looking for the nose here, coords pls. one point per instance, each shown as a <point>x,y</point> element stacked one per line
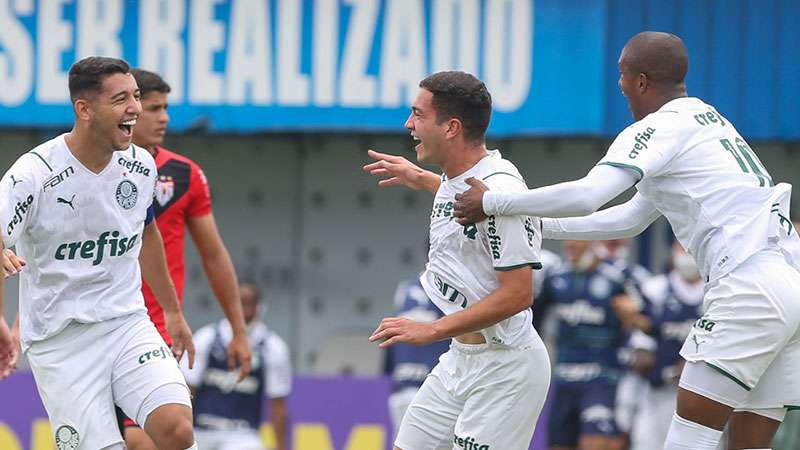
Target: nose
<point>165,117</point>
<point>410,122</point>
<point>134,106</point>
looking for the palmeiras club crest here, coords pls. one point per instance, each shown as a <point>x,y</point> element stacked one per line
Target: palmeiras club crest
<point>165,189</point>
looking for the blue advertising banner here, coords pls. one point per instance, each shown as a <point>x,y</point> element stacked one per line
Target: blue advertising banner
<point>281,65</point>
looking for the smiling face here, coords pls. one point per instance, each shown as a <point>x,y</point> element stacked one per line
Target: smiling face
<point>422,124</point>
<point>112,112</point>
<point>151,127</point>
<point>629,84</point>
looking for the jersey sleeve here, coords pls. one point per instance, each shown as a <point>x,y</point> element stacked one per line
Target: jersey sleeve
<point>645,148</point>
<point>278,367</point>
<point>199,193</point>
<point>203,340</point>
<point>514,241</point>
<point>19,192</point>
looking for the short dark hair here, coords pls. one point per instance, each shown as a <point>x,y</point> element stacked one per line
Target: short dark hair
<point>87,75</point>
<point>461,96</point>
<point>150,82</point>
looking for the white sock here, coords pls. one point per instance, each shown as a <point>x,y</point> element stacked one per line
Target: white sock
<point>687,435</point>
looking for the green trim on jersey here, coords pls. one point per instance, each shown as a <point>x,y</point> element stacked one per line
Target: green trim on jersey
<point>43,160</point>
<point>502,173</point>
<point>533,265</point>
<point>623,166</point>
<point>723,372</point>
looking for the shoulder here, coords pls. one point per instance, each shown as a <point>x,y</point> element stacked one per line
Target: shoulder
<point>173,156</point>
<point>42,159</point>
<point>501,174</point>
<point>276,347</point>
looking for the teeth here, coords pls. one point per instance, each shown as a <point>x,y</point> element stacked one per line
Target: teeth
<point>131,122</point>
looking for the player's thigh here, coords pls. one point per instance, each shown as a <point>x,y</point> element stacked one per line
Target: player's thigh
<point>146,375</point>
<point>754,429</point>
<point>564,418</point>
<point>597,416</point>
<point>752,314</point>
<point>72,372</point>
<point>429,421</point>
<point>503,407</point>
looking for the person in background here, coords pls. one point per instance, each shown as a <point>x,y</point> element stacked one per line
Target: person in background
<point>228,413</point>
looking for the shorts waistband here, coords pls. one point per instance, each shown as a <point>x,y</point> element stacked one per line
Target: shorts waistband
<point>469,349</point>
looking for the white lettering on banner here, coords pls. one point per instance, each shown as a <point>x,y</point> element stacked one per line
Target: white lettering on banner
<point>356,87</point>
<point>292,84</point>
<point>403,52</point>
<point>455,46</point>
<point>161,48</point>
<point>16,59</point>
<point>54,37</point>
<point>362,53</point>
<point>508,41</point>
<point>206,37</point>
<point>100,22</point>
<point>248,58</point>
<point>326,39</point>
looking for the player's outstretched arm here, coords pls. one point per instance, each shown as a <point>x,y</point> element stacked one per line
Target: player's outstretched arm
<point>222,278</point>
<point>514,294</point>
<point>401,172</point>
<point>618,222</point>
<point>572,198</point>
<point>153,263</point>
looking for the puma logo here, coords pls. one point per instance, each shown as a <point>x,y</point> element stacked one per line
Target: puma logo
<point>696,343</point>
<point>15,181</point>
<point>67,202</point>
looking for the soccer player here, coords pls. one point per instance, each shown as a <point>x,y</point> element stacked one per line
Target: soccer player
<point>489,388</point>
<point>228,413</point>
<point>690,164</point>
<point>82,219</point>
<point>585,295</point>
<point>676,300</point>
<point>408,365</point>
<point>182,200</point>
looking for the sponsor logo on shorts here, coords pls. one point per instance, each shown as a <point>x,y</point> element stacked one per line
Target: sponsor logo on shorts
<point>641,140</point>
<point>96,250</point>
<point>159,353</point>
<point>67,438</point>
<point>469,443</point>
<point>705,324</point>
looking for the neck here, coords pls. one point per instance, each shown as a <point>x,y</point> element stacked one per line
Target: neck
<point>152,149</point>
<point>83,145</point>
<point>662,98</point>
<point>463,158</point>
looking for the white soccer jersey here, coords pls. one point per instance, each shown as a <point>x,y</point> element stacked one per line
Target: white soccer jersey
<point>463,260</point>
<point>80,233</point>
<point>704,178</point>
<point>273,359</point>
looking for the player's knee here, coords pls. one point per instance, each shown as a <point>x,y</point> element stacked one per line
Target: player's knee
<point>178,435</point>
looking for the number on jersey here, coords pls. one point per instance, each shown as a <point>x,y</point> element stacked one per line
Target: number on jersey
<point>747,159</point>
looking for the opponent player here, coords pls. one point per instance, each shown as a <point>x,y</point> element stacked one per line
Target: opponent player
<point>690,164</point>
<point>676,300</point>
<point>182,200</point>
<point>489,388</point>
<point>408,365</point>
<point>228,414</point>
<point>585,296</point>
<point>83,221</point>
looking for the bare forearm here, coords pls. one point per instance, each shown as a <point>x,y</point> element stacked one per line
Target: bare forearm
<point>497,306</point>
<point>430,181</point>
<point>153,263</point>
<point>280,424</point>
<point>222,278</point>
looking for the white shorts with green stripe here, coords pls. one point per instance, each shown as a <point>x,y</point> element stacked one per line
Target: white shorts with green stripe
<point>750,331</point>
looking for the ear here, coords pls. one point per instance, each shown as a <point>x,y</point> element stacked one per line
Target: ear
<point>642,82</point>
<point>454,128</point>
<point>82,109</point>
